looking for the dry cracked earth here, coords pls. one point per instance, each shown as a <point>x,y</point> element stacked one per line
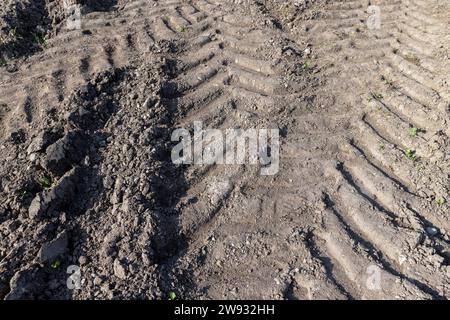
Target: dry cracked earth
<point>358,210</point>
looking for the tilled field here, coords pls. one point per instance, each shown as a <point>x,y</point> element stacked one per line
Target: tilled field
<point>359,208</point>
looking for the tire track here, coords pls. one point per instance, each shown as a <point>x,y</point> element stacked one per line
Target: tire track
<point>402,96</point>
<point>229,76</point>
<point>381,114</point>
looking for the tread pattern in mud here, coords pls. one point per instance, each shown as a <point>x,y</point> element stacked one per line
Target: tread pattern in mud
<point>376,132</point>
<point>391,172</point>
<point>363,187</point>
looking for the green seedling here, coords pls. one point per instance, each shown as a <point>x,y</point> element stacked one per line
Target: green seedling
<point>381,147</point>
<point>23,194</point>
<point>441,201</point>
<point>387,82</point>
<point>413,132</point>
<point>56,264</point>
<point>46,182</point>
<point>375,96</point>
<point>307,65</point>
<point>40,39</point>
<point>411,155</point>
<point>13,32</point>
<point>181,29</point>
<point>172,295</point>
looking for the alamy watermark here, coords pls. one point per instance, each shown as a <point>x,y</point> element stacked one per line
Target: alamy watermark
<point>74,280</point>
<point>374,20</point>
<point>373,281</point>
<point>230,147</point>
<point>73,15</point>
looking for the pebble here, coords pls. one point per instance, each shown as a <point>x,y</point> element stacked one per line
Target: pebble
<point>98,281</point>
<point>82,260</point>
<point>119,270</point>
<point>432,231</point>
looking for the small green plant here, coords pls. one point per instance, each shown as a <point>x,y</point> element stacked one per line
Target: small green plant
<point>3,62</point>
<point>387,82</point>
<point>182,28</point>
<point>413,132</point>
<point>381,147</point>
<point>441,201</point>
<point>307,65</point>
<point>411,155</point>
<point>375,96</point>
<point>13,32</point>
<point>40,39</point>
<point>46,182</point>
<point>23,194</point>
<point>56,264</point>
<point>172,295</point>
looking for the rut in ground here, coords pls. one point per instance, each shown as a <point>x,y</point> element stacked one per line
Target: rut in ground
<point>364,164</point>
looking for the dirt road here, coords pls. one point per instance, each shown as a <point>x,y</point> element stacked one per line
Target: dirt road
<point>93,206</point>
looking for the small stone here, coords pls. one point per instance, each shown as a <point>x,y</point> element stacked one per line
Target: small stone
<point>36,206</point>
<point>119,270</point>
<point>108,182</point>
<point>32,157</point>
<point>82,260</point>
<point>98,281</point>
<point>115,197</point>
<point>432,231</point>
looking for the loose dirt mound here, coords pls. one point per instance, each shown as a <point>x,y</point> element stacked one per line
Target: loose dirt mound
<point>359,208</point>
